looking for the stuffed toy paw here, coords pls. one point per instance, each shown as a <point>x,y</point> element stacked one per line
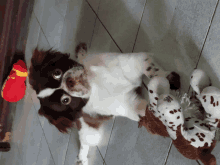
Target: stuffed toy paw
<point>14,86</point>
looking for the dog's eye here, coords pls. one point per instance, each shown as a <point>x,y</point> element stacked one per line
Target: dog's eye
<point>57,74</point>
<point>65,99</point>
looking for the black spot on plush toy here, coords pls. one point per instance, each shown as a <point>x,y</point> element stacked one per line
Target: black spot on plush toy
<point>153,70</point>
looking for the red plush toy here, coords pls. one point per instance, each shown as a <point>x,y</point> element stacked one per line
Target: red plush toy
<point>14,86</point>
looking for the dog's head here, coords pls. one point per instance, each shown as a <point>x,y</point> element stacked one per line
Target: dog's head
<point>61,85</point>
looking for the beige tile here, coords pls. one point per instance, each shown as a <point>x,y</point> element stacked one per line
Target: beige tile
<point>150,149</point>
<point>176,158</point>
<point>122,19</point>
<point>176,41</point>
<point>78,26</point>
<point>44,157</point>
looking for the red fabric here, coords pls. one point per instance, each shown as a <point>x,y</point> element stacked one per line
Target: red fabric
<point>14,87</point>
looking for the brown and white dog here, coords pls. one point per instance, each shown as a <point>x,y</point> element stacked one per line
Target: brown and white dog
<point>91,91</point>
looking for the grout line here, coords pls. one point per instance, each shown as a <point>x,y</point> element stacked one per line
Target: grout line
<point>44,135</point>
<point>198,162</point>
<point>207,33</point>
<point>42,31</point>
<point>93,33</point>
<point>109,138</point>
<point>101,156</point>
<point>94,26</point>
<point>139,26</point>
<point>171,143</point>
<point>39,148</point>
<point>206,37</point>
<point>104,27</point>
<point>67,147</point>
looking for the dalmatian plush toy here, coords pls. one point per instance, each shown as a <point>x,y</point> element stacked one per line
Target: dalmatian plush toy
<point>192,134</point>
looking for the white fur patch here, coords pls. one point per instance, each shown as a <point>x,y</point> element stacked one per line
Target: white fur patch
<point>88,135</point>
<point>46,92</point>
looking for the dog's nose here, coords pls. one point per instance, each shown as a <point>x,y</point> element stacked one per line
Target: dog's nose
<point>70,82</point>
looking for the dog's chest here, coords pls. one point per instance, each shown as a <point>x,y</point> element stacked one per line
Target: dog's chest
<point>110,93</point>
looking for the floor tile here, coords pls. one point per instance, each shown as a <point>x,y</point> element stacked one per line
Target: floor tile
<point>177,48</point>
<point>32,38</point>
<point>52,24</point>
<point>122,19</point>
<point>31,138</point>
<point>210,59</point>
<point>11,157</point>
<point>57,142</point>
<point>94,156</point>
<point>216,153</point>
<point>43,42</point>
<point>61,6</point>
<point>122,141</point>
<point>39,9</point>
<point>150,149</point>
<point>176,158</point>
<point>44,157</point>
<point>78,26</point>
<point>101,40</point>
<point>73,148</point>
<point>94,4</point>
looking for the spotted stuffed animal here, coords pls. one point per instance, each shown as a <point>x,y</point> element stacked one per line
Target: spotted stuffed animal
<point>193,137</point>
<point>154,70</point>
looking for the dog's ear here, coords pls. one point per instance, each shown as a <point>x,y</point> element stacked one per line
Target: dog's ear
<point>81,49</point>
<point>61,123</point>
<point>38,57</point>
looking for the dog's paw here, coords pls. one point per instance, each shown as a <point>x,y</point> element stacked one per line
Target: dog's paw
<point>81,162</point>
<point>81,50</point>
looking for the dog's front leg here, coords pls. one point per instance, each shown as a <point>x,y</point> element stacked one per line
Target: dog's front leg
<point>88,136</point>
<point>83,153</point>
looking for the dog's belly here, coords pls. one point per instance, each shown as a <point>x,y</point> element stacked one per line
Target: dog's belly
<point>102,102</point>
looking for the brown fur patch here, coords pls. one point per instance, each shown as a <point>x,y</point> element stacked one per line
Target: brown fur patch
<point>62,123</point>
<point>95,121</point>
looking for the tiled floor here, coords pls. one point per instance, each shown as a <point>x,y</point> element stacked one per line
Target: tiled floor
<point>182,34</point>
